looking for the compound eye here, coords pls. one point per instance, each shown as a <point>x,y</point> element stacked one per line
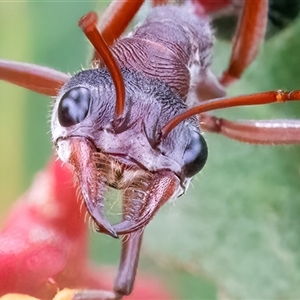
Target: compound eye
<point>195,155</point>
<point>74,106</point>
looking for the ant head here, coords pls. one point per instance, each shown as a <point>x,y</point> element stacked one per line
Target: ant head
<point>85,107</point>
<point>100,148</point>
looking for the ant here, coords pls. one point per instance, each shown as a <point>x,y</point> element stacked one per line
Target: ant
<point>209,123</point>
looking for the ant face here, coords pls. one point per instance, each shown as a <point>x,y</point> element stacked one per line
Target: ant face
<point>244,205</point>
<point>129,149</point>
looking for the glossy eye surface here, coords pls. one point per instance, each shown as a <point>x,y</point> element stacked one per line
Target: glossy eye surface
<point>195,155</point>
<point>74,106</point>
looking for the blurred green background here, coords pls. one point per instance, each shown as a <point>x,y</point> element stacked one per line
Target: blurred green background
<point>236,233</point>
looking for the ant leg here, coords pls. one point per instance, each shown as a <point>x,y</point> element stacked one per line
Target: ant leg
<point>115,19</point>
<point>47,81</point>
<point>269,132</point>
<point>247,40</point>
<point>131,246</point>
<point>38,79</point>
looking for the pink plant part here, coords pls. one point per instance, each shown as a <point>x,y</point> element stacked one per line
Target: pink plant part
<point>44,245</point>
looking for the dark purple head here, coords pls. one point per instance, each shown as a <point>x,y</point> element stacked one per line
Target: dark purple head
<point>127,153</point>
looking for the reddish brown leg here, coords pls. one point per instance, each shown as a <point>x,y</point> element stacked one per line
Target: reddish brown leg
<point>253,99</point>
<point>39,79</point>
<point>270,132</point>
<point>116,18</point>
<point>247,40</point>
